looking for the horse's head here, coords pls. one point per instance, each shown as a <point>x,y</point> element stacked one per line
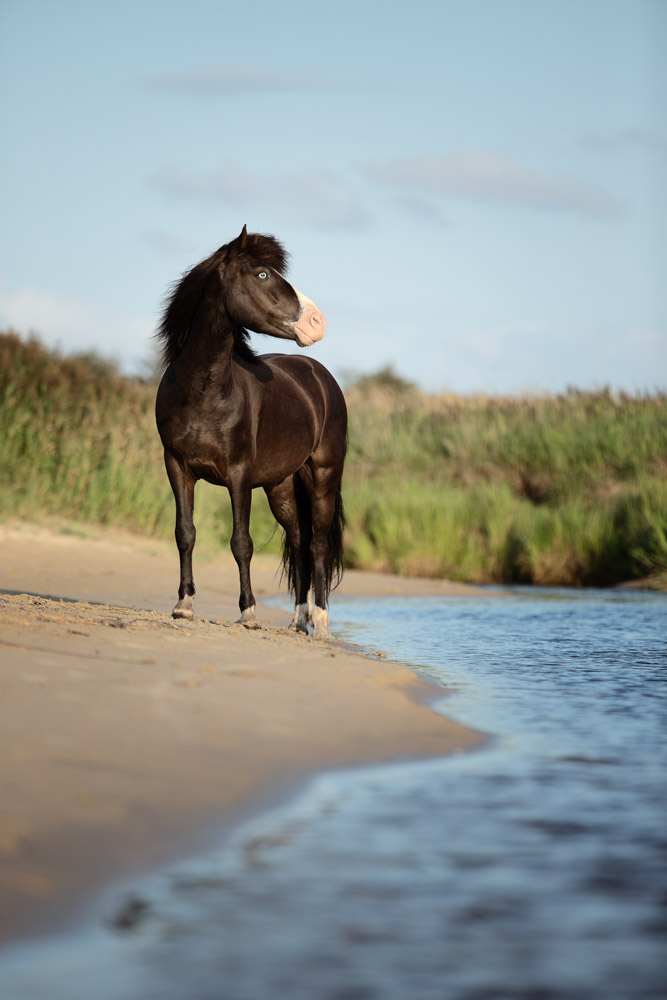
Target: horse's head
<point>257,296</point>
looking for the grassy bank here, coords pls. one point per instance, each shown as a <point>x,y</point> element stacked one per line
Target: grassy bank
<point>554,490</point>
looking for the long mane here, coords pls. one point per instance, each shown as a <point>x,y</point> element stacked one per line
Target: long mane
<point>186,294</point>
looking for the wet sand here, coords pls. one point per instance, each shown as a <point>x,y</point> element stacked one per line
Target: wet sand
<point>129,739</point>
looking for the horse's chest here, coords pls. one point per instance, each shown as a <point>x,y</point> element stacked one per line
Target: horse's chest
<point>208,451</point>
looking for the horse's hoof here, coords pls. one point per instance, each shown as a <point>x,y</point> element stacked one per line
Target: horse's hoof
<point>184,610</point>
<point>321,624</point>
<point>249,619</point>
<point>300,620</point>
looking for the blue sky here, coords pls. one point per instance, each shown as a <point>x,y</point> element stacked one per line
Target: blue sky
<point>473,192</point>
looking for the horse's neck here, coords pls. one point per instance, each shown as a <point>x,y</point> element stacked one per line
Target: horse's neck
<point>210,343</point>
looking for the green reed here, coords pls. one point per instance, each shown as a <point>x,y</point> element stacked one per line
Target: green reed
<point>564,489</point>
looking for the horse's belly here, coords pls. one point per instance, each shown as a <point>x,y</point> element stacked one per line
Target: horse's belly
<point>272,468</point>
<point>263,468</point>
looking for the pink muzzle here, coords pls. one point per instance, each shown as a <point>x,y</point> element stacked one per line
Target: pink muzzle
<point>311,324</point>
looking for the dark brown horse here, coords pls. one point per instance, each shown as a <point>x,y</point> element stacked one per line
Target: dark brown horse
<point>241,420</point>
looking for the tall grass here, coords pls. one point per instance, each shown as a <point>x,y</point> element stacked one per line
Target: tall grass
<point>568,489</point>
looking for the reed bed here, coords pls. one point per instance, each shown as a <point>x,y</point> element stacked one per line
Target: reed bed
<point>557,490</point>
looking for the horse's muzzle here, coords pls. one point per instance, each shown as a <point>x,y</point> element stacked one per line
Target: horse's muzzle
<point>311,324</point>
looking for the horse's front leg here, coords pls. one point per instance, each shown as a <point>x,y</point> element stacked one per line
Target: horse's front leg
<point>242,548</point>
<point>183,486</point>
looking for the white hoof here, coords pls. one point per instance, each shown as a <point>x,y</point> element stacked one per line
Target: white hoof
<point>300,620</point>
<point>321,624</point>
<point>184,609</point>
<point>249,619</point>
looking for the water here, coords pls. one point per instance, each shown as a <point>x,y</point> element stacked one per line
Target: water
<point>535,867</point>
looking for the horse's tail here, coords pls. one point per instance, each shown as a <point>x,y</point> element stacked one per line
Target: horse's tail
<point>334,562</point>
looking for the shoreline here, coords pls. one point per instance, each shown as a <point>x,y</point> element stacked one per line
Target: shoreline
<point>129,737</point>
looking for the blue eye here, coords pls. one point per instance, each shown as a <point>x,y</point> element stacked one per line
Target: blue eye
<point>262,275</point>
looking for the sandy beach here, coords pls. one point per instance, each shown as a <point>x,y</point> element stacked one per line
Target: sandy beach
<point>129,739</point>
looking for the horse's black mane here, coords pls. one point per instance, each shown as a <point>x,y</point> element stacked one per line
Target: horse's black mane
<point>185,296</point>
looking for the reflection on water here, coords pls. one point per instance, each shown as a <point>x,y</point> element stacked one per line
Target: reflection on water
<point>533,868</point>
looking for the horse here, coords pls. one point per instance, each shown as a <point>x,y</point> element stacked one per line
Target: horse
<point>243,421</point>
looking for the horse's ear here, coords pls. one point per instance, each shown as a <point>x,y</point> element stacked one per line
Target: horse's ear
<point>239,244</point>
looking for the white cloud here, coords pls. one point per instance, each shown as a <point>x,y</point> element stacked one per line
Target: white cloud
<point>35,310</point>
<point>74,326</point>
<point>314,197</point>
<point>494,177</point>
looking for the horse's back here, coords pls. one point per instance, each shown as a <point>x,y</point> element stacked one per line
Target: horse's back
<point>298,365</point>
<point>307,374</point>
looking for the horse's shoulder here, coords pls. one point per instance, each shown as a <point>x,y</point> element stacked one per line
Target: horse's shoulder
<point>292,362</point>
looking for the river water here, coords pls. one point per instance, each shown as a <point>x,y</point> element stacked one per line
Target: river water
<point>534,868</point>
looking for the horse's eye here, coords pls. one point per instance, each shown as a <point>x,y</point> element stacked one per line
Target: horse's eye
<point>262,275</point>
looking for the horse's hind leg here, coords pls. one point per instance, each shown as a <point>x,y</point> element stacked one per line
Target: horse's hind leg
<point>322,516</point>
<point>291,516</point>
<point>183,486</point>
<point>325,489</point>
